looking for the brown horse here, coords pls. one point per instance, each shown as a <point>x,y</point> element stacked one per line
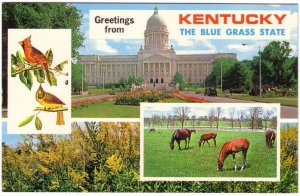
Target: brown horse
<point>232,147</point>
<point>205,137</point>
<point>178,135</point>
<point>270,138</point>
<point>152,130</point>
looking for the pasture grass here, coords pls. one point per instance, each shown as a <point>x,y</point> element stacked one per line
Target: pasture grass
<point>161,161</point>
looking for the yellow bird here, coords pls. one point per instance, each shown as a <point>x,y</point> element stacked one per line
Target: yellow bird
<point>50,101</point>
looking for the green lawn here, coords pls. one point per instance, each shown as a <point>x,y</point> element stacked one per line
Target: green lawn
<point>95,92</point>
<point>288,101</point>
<point>108,109</point>
<point>160,161</point>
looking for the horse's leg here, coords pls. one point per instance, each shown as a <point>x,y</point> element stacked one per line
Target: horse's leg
<point>234,161</point>
<point>215,142</point>
<point>189,138</point>
<point>178,142</point>
<point>267,142</point>
<point>208,143</point>
<point>244,159</point>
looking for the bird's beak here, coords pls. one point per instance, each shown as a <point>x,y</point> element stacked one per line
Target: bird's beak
<point>20,42</point>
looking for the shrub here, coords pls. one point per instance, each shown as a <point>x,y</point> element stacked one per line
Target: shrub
<point>292,93</point>
<point>269,95</point>
<point>134,98</point>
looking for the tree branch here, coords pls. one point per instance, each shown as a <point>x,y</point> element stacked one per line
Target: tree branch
<point>50,109</point>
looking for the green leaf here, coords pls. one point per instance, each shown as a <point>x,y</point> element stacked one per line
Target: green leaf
<point>26,78</point>
<point>38,123</point>
<point>13,60</point>
<point>60,66</point>
<point>19,57</point>
<point>52,78</point>
<point>26,121</point>
<point>40,75</point>
<point>13,71</point>
<point>49,56</point>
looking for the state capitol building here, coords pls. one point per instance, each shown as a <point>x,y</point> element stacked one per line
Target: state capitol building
<point>157,62</point>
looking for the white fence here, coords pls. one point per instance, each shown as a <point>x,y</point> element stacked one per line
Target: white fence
<point>210,129</point>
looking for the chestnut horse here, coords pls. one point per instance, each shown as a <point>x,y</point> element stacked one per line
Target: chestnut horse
<point>232,147</point>
<point>205,137</point>
<point>270,138</point>
<point>181,135</point>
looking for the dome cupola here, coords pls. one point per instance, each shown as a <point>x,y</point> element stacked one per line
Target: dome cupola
<point>156,35</point>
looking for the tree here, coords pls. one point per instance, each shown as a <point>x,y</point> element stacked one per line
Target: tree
<point>218,114</point>
<point>177,78</point>
<point>266,116</point>
<point>214,78</point>
<point>242,77</point>
<point>231,112</point>
<point>211,116</point>
<point>39,16</point>
<point>254,113</point>
<point>240,117</point>
<point>181,114</point>
<point>77,79</point>
<point>277,67</point>
<point>122,82</point>
<point>193,121</point>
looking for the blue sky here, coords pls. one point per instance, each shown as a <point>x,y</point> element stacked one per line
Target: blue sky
<point>131,47</point>
<point>9,139</point>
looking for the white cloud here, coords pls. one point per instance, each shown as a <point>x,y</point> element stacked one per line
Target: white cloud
<point>275,5</point>
<point>208,44</point>
<point>241,48</point>
<point>185,42</point>
<point>102,46</point>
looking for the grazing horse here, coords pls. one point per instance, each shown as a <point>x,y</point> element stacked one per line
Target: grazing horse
<point>180,135</point>
<point>152,130</point>
<point>232,147</point>
<point>270,138</point>
<point>205,137</point>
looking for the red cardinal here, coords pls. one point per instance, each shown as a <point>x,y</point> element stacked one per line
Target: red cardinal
<point>35,56</point>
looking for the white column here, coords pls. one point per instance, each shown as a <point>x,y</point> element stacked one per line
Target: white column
<point>165,73</point>
<point>159,69</point>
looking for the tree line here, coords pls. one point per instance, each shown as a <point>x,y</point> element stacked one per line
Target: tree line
<point>253,117</point>
<point>278,69</point>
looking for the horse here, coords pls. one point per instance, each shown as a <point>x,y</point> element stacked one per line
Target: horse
<point>180,135</point>
<point>205,137</point>
<point>232,147</point>
<point>270,138</point>
<point>152,130</point>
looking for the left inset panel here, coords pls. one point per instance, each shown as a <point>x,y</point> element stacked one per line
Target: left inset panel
<point>39,81</point>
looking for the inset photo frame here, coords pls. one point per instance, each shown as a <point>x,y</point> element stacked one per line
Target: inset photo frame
<point>210,142</point>
<point>39,81</point>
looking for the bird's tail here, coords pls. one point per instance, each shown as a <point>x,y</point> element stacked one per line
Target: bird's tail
<point>60,118</point>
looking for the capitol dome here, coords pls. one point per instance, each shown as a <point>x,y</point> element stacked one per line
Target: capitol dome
<point>156,19</point>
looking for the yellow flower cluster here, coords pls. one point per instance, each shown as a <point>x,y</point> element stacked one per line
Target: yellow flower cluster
<point>114,163</point>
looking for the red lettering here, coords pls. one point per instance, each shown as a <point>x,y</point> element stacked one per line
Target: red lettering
<point>264,19</point>
<point>280,19</point>
<point>198,19</point>
<point>225,17</point>
<point>184,19</point>
<point>249,21</point>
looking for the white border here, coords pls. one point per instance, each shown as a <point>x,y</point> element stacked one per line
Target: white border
<point>159,105</point>
<point>161,1</point>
